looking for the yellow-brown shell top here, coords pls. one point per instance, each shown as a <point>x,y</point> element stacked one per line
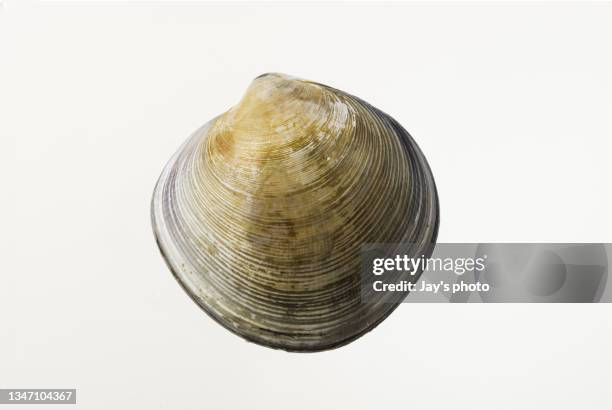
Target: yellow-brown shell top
<point>262,213</point>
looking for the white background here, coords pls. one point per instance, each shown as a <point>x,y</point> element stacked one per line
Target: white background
<point>510,103</point>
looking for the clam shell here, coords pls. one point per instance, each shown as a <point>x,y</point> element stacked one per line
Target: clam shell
<point>262,213</point>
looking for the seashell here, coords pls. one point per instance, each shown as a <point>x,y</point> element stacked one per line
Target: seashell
<point>262,212</point>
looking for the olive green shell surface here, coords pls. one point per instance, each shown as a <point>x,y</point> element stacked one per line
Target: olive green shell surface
<point>262,213</point>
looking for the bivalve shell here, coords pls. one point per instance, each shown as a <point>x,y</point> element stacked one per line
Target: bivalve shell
<point>262,213</point>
